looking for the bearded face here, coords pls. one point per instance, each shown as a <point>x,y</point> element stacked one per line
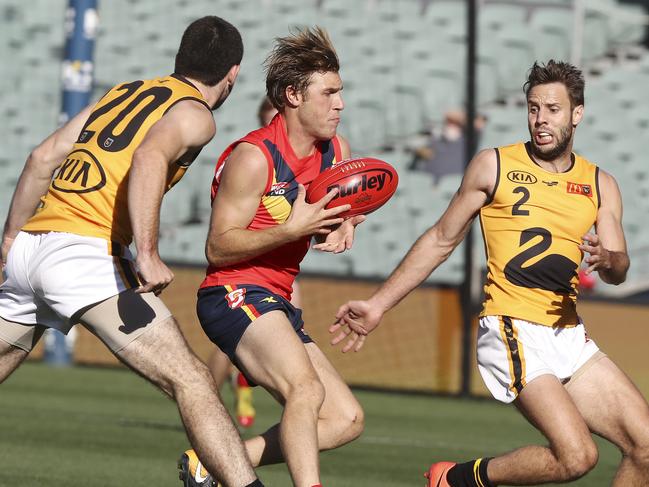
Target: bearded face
<point>551,121</point>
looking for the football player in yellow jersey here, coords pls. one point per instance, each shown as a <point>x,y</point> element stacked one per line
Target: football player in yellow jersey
<point>70,262</point>
<point>537,203</point>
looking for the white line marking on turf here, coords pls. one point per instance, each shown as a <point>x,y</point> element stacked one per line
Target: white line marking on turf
<point>419,443</point>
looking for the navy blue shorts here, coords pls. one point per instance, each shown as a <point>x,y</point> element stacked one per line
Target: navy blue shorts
<point>226,311</point>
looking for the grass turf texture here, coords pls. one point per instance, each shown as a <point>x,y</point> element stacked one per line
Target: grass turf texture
<point>107,427</point>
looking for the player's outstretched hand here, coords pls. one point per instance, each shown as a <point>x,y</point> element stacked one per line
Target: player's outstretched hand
<point>354,321</point>
<point>341,238</point>
<point>314,218</point>
<point>599,257</point>
<point>154,275</point>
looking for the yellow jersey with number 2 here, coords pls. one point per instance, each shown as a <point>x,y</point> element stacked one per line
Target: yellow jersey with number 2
<point>532,228</point>
<point>88,194</point>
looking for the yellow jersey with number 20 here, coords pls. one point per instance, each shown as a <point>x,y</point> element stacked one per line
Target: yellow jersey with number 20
<point>88,194</point>
<point>532,228</point>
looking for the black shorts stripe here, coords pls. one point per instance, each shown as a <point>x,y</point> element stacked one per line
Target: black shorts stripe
<point>128,272</point>
<point>116,249</point>
<point>514,352</point>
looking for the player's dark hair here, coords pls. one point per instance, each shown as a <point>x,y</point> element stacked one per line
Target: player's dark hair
<point>294,59</point>
<point>209,48</point>
<point>557,72</point>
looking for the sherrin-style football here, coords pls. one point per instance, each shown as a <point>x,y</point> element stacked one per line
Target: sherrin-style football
<point>364,183</point>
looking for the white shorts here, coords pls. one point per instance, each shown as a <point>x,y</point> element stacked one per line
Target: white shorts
<point>512,353</point>
<point>51,276</point>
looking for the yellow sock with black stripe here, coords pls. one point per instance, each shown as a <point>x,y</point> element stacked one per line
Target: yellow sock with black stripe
<point>470,474</point>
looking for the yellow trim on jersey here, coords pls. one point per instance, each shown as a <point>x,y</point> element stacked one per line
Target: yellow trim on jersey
<point>277,206</point>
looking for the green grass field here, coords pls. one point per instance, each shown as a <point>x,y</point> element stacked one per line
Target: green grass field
<point>107,427</point>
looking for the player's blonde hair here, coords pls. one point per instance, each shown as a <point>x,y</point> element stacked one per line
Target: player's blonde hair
<point>294,59</point>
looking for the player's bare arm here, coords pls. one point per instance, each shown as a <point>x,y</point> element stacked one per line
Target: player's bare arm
<point>341,238</point>
<point>37,175</point>
<point>607,248</point>
<point>358,318</point>
<point>187,126</point>
<point>241,188</point>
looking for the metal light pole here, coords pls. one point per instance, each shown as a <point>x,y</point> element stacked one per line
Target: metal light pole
<point>77,75</point>
<point>466,295</point>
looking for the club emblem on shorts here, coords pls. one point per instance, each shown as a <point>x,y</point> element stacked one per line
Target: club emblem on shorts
<point>235,298</point>
<point>269,299</point>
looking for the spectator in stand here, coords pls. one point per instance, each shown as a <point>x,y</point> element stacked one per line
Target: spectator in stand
<point>445,152</point>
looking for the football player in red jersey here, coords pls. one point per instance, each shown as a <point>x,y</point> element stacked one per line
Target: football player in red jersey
<point>218,362</point>
<point>260,230</point>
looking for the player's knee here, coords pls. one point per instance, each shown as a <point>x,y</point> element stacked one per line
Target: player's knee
<point>579,461</point>
<point>196,374</point>
<point>346,422</point>
<point>308,391</point>
<point>355,419</point>
<point>192,376</point>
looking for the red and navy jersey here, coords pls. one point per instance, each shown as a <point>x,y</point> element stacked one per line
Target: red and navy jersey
<point>274,270</point>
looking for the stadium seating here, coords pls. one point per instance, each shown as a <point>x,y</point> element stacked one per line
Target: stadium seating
<point>403,65</point>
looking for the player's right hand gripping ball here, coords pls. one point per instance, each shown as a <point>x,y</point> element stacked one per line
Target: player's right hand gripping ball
<point>364,183</point>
